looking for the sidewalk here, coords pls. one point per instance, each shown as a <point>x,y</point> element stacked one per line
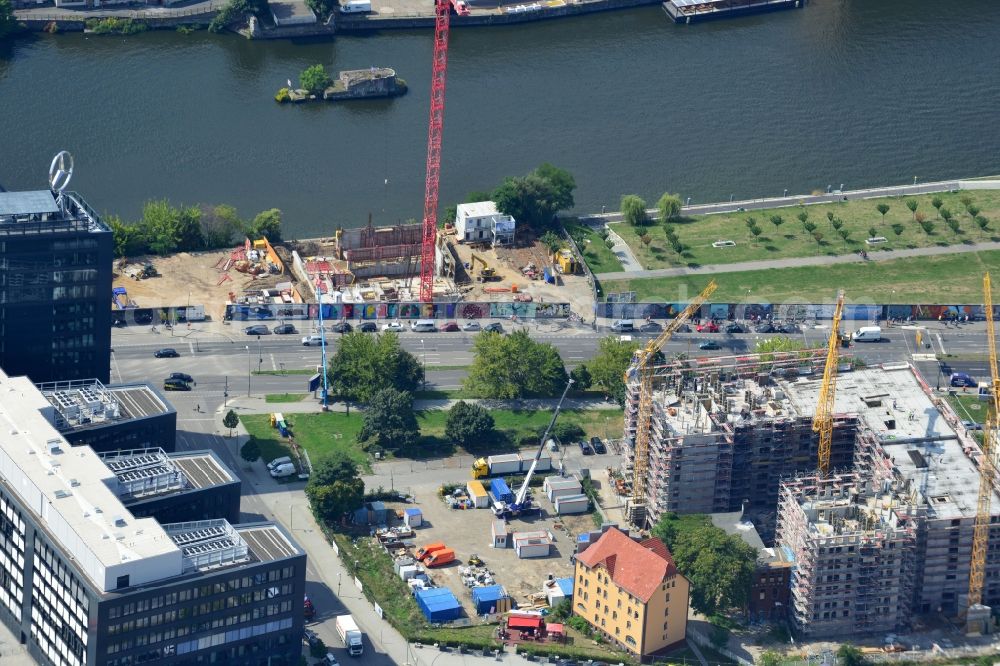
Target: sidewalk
<point>258,405</point>
<point>798,262</point>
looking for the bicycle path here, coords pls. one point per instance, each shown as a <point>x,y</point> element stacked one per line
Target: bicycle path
<point>799,262</point>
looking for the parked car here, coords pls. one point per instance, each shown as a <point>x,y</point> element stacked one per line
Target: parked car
<point>166,353</point>
<point>495,327</point>
<point>143,318</point>
<point>394,327</point>
<point>735,328</point>
<point>330,660</point>
<point>258,329</point>
<point>284,329</point>
<point>650,327</point>
<point>310,340</point>
<point>175,385</point>
<point>368,327</point>
<point>471,326</point>
<point>766,328</point>
<point>788,328</point>
<point>450,327</point>
<point>684,328</point>
<point>961,379</point>
<point>598,445</point>
<point>341,327</point>
<point>181,376</point>
<point>972,425</point>
<point>423,326</point>
<point>709,345</point>
<point>707,327</point>
<point>585,448</point>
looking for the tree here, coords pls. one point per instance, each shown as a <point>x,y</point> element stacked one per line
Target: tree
<point>882,209</point>
<point>389,421</point>
<point>231,420</point>
<point>809,227</point>
<point>719,566</point>
<point>322,8</point>
<point>954,225</point>
<point>845,234</point>
<point>159,220</point>
<point>646,239</point>
<point>818,237</point>
<point>972,210</point>
<point>849,655</point>
<point>937,202</point>
<point>803,218</point>
<point>920,216</point>
<point>669,206</point>
<point>8,23</point>
<point>332,468</point>
<point>898,229</point>
<point>927,226</point>
<point>561,185</point>
<point>514,366</point>
<point>468,423</point>
<point>535,198</point>
<point>769,658</point>
<point>365,364</point>
<point>777,221</point>
<point>334,488</point>
<point>837,223</point>
<point>912,205</point>
<point>966,200</point>
<point>551,240</point>
<point>314,79</point>
<point>267,224</point>
<point>608,367</point>
<point>755,231</point>
<point>751,222</point>
<point>872,232</point>
<point>250,451</point>
<point>129,238</point>
<point>187,222</point>
<point>219,224</point>
<point>829,216</point>
<point>633,210</point>
<point>945,214</point>
<point>982,222</point>
<point>582,379</point>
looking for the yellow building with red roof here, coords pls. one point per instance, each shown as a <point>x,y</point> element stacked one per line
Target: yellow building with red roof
<point>631,593</point>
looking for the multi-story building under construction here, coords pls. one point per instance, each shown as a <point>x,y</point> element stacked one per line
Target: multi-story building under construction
<point>886,536</point>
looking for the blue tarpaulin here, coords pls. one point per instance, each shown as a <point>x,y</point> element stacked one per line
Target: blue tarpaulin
<point>438,604</point>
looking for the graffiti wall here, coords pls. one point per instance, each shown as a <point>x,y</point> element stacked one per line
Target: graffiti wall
<point>752,311</point>
<point>380,311</point>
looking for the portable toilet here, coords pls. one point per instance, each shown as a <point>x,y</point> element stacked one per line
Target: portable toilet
<point>412,517</point>
<point>501,491</point>
<point>477,493</point>
<point>498,531</point>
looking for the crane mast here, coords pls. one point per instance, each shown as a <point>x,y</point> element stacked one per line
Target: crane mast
<point>642,364</point>
<point>435,127</point>
<point>823,419</point>
<point>522,493</point>
<point>981,529</point>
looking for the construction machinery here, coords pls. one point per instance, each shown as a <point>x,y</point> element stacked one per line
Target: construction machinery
<point>642,366</point>
<point>823,419</point>
<point>435,128</point>
<point>565,261</point>
<point>976,614</point>
<point>486,273</point>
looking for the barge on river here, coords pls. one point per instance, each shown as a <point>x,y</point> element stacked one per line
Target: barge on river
<point>690,11</point>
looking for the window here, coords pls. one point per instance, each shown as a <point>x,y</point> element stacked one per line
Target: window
<point>122,582</point>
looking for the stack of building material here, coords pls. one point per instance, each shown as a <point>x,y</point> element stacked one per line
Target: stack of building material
<point>533,544</point>
<point>558,486</point>
<point>477,493</point>
<point>572,504</point>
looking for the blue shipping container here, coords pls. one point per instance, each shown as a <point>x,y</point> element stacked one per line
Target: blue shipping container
<point>500,491</point>
<point>485,598</point>
<point>438,604</point>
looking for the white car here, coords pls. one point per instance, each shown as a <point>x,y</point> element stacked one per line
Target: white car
<point>471,326</point>
<point>394,327</point>
<point>330,660</point>
<point>312,340</point>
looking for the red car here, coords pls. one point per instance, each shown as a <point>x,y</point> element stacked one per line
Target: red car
<point>710,327</point>
<point>450,326</point>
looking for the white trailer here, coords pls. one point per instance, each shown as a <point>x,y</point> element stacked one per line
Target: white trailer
<point>572,504</point>
<point>507,463</point>
<point>349,633</point>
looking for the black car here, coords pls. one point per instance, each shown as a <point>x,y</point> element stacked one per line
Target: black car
<point>585,448</point>
<point>166,353</point>
<point>788,328</point>
<point>284,329</point>
<point>709,345</point>
<point>735,328</point>
<point>650,327</point>
<point>598,445</point>
<point>175,385</point>
<point>341,327</point>
<point>368,327</point>
<point>766,328</point>
<point>143,318</point>
<point>259,329</point>
<point>495,327</point>
<point>180,376</point>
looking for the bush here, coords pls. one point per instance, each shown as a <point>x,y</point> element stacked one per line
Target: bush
<point>115,26</point>
<point>567,432</point>
<point>468,423</point>
<point>283,96</point>
<point>579,624</point>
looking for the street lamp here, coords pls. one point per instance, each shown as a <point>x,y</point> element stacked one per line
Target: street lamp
<point>260,357</point>
<point>248,370</point>
<point>786,192</point>
<point>423,353</point>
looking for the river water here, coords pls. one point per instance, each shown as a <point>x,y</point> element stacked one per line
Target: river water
<point>858,92</point>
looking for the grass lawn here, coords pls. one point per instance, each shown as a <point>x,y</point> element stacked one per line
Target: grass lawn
<point>322,434</point>
<point>595,252</point>
<point>285,397</point>
<point>790,239</point>
<point>953,278</point>
<point>288,371</point>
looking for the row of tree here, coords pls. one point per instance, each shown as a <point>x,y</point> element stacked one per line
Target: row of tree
<point>163,228</point>
<point>635,212</point>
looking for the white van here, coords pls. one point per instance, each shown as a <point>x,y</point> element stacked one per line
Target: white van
<point>356,7</point>
<point>867,334</point>
<point>423,326</point>
<point>284,460</point>
<point>623,326</point>
<point>283,470</point>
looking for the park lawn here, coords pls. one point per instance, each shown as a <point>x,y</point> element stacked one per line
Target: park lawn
<point>288,371</point>
<point>954,279</point>
<point>697,233</point>
<point>595,252</point>
<point>286,397</point>
<point>319,434</point>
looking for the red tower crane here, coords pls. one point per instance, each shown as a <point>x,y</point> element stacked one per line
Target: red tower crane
<point>442,16</point>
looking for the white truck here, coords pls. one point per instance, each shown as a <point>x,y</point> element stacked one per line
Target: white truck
<point>356,7</point>
<point>348,631</point>
<point>508,463</point>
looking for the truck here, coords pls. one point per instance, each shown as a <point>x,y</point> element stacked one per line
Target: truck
<point>349,633</point>
<point>191,313</point>
<point>508,463</point>
<point>356,7</point>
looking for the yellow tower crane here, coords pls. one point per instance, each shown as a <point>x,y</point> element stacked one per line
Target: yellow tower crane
<point>981,531</point>
<point>642,365</point>
<point>823,419</point>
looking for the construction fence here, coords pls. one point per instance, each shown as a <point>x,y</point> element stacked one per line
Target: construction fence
<point>378,311</point>
<point>797,311</point>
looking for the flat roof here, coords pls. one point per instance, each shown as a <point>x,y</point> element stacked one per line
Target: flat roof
<point>27,203</point>
<point>203,469</point>
<point>69,491</point>
<point>85,404</point>
<point>734,523</point>
<point>267,542</point>
<point>478,209</point>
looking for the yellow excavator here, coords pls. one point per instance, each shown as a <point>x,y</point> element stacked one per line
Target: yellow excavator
<point>486,274</point>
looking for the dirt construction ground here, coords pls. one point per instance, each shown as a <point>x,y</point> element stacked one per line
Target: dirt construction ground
<point>193,273</point>
<point>572,289</point>
<point>468,532</point>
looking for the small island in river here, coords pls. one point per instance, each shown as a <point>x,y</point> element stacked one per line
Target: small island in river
<point>350,84</point>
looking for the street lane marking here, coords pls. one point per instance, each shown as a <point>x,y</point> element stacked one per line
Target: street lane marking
<point>940,343</point>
